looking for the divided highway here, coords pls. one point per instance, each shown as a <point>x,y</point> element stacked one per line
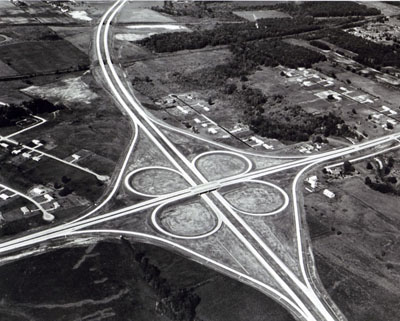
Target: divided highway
<point>297,294</point>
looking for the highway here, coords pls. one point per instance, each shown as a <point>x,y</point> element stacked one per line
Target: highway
<point>297,294</point>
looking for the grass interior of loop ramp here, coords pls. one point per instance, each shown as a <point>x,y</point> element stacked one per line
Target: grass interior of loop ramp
<point>221,165</point>
<point>255,198</point>
<point>188,219</point>
<point>157,181</point>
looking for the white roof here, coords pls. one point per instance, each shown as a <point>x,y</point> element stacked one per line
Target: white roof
<point>4,196</point>
<point>25,210</point>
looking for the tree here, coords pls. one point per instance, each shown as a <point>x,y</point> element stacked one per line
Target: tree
<point>368,181</point>
<point>347,167</point>
<point>369,166</point>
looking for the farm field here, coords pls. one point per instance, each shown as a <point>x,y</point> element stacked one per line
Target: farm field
<point>32,57</point>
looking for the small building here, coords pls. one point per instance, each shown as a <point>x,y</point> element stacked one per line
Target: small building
<point>4,145</point>
<point>37,191</point>
<point>26,155</point>
<point>25,210</point>
<point>4,196</point>
<point>75,157</point>
<point>16,151</point>
<point>206,109</point>
<point>48,197</point>
<point>328,193</point>
<point>212,131</point>
<point>36,158</point>
<point>312,180</point>
<point>197,121</point>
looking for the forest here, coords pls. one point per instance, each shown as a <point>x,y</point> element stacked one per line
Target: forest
<point>368,52</point>
<point>229,33</point>
<point>327,9</point>
<point>276,52</point>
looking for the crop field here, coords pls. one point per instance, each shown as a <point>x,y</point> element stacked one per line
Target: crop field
<point>11,14</point>
<point>80,37</point>
<point>157,182</point>
<point>6,70</point>
<point>45,56</point>
<point>261,14</point>
<point>255,198</point>
<point>217,166</point>
<point>188,219</point>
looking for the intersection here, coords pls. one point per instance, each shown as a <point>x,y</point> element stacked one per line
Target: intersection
<point>296,292</point>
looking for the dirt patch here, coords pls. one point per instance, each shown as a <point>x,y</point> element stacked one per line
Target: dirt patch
<point>69,90</point>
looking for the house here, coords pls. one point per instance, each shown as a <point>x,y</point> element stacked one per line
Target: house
<point>16,151</point>
<point>312,180</point>
<point>25,210</point>
<point>4,196</point>
<point>328,193</point>
<point>75,157</point>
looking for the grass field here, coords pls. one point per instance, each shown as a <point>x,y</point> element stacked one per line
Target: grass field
<point>255,198</point>
<point>187,219</point>
<point>45,56</point>
<point>217,166</point>
<point>261,14</point>
<point>158,182</point>
<point>132,14</point>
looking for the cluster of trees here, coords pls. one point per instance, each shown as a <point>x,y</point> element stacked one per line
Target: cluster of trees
<point>228,34</point>
<point>9,115</point>
<point>368,52</point>
<point>276,52</point>
<point>293,124</point>
<point>175,304</point>
<point>12,113</point>
<point>384,183</point>
<point>327,9</point>
<point>41,106</point>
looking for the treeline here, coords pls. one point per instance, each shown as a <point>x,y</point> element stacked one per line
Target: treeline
<point>368,52</point>
<point>175,304</point>
<point>197,9</point>
<point>276,52</point>
<point>228,34</point>
<point>11,114</point>
<point>327,9</point>
<point>294,124</point>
